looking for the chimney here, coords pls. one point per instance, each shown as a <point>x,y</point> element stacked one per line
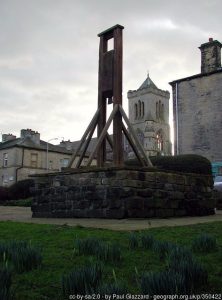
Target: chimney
<point>210,56</point>
<point>8,137</point>
<point>33,135</point>
<point>66,144</point>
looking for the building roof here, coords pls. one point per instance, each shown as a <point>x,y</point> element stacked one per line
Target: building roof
<point>147,83</point>
<point>28,143</point>
<point>195,76</point>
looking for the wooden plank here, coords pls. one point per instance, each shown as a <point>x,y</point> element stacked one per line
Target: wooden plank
<point>101,153</point>
<point>103,134</point>
<point>109,140</point>
<point>117,97</point>
<point>91,124</point>
<point>131,130</point>
<point>89,138</point>
<point>130,140</point>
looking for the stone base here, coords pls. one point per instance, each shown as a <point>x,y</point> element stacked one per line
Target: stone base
<point>118,193</point>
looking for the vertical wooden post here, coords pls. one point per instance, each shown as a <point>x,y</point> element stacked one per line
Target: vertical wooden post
<point>117,98</point>
<point>101,153</point>
<point>110,86</point>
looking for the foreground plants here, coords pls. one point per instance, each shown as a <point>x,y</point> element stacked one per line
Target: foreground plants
<point>82,281</point>
<point>204,243</point>
<point>21,254</point>
<point>160,261</point>
<point>96,247</point>
<point>5,281</point>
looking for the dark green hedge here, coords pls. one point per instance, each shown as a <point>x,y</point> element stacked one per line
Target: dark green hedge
<point>187,163</point>
<point>19,190</point>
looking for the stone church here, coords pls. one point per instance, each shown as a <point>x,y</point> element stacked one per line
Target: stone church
<point>197,107</point>
<point>149,115</point>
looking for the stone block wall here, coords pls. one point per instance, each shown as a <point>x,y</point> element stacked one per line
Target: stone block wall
<point>122,193</point>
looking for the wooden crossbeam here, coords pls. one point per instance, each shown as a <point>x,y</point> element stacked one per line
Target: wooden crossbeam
<point>132,144</point>
<point>103,134</point>
<point>86,145</point>
<point>131,130</point>
<point>88,130</point>
<point>109,140</point>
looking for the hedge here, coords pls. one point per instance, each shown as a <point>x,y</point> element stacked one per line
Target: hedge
<point>187,163</point>
<point>19,190</point>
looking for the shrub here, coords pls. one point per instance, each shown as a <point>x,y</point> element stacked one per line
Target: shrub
<point>5,282</point>
<point>4,193</point>
<point>162,248</point>
<point>98,248</point>
<point>182,261</point>
<point>26,258</point>
<point>177,254</point>
<point>162,283</point>
<point>133,240</point>
<point>147,241</point>
<point>82,281</point>
<point>113,252</point>
<point>204,243</point>
<point>21,254</point>
<point>21,189</point>
<point>87,246</point>
<point>195,276</point>
<point>188,163</point>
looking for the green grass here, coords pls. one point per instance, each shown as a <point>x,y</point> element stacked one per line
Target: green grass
<point>59,257</point>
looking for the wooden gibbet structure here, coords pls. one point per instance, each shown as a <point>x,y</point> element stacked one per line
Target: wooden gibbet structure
<point>109,91</point>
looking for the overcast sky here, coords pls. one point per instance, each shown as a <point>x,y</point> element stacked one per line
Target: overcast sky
<point>49,55</point>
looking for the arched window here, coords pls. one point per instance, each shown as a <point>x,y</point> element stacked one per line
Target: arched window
<point>159,140</point>
<point>142,109</point>
<point>136,111</point>
<point>139,114</point>
<point>162,112</point>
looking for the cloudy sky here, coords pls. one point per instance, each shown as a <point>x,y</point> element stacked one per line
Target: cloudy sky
<point>49,55</point>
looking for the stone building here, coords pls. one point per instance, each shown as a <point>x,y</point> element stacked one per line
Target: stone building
<point>28,155</point>
<point>197,107</point>
<point>149,115</point>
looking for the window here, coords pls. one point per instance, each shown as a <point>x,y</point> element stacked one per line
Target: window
<point>142,109</point>
<point>136,111</point>
<point>34,160</point>
<point>64,162</point>
<point>159,139</point>
<point>5,180</point>
<point>162,112</point>
<point>139,108</point>
<point>50,165</point>
<point>5,160</point>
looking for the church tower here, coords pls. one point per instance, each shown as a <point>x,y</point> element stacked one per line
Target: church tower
<point>149,115</point>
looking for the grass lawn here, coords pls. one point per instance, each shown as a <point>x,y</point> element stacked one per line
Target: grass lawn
<point>57,244</point>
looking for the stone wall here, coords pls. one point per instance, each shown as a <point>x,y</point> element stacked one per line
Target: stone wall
<point>122,193</point>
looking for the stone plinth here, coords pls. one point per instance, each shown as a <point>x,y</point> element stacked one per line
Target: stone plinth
<point>122,193</point>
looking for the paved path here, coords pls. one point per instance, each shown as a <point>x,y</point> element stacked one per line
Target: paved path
<point>23,214</point>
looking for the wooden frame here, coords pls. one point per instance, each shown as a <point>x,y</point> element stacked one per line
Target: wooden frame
<point>109,88</point>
